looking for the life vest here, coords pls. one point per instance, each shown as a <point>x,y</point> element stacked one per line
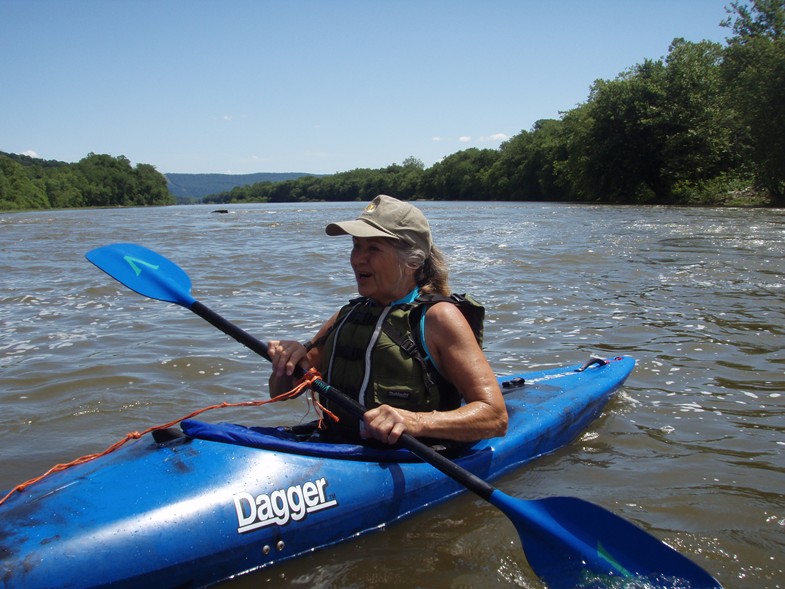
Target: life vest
<point>378,355</point>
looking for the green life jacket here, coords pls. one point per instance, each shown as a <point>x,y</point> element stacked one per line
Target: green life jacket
<point>378,355</point>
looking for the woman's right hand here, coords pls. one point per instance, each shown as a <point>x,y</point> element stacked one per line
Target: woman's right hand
<point>285,355</point>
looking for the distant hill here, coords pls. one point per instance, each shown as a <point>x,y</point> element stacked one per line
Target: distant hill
<point>196,186</point>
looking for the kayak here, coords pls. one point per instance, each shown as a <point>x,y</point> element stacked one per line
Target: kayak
<point>213,501</point>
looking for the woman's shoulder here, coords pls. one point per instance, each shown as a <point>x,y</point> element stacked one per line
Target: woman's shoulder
<point>444,315</point>
<point>455,311</point>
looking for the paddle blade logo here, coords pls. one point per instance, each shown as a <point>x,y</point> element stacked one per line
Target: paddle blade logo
<point>607,557</point>
<point>135,264</point>
<point>281,506</point>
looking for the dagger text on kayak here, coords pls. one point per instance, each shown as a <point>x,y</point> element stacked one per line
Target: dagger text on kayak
<point>281,506</point>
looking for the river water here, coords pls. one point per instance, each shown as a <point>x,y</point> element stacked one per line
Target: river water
<point>691,449</point>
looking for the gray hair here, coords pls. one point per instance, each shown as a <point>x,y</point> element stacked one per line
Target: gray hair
<point>431,273</point>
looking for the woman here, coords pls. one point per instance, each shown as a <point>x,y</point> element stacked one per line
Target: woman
<point>405,349</point>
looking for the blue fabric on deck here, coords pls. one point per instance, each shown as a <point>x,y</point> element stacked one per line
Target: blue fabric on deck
<point>282,440</point>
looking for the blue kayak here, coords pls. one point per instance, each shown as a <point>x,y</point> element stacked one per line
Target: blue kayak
<point>220,500</point>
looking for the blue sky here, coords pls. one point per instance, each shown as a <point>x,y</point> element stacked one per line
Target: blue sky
<point>320,86</point>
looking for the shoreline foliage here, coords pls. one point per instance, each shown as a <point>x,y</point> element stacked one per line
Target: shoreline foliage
<point>95,181</point>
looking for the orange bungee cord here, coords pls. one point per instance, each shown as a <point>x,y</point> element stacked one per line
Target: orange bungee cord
<point>303,384</point>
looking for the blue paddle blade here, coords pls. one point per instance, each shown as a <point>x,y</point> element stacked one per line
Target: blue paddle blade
<point>144,271</point>
<point>571,543</point>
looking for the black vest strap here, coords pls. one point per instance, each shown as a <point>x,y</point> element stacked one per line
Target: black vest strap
<point>407,344</point>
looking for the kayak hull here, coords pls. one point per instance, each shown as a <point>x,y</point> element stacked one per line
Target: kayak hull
<point>192,512</point>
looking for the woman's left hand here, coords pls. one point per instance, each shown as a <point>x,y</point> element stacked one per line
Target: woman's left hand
<point>386,424</point>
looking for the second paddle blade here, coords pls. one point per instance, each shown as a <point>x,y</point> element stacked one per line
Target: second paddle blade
<point>571,543</point>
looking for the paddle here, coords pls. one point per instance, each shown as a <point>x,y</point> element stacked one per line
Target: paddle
<point>568,542</point>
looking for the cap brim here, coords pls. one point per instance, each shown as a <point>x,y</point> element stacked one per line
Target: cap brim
<point>358,228</point>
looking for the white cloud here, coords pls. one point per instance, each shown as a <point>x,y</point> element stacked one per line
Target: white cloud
<point>30,153</point>
<point>495,137</point>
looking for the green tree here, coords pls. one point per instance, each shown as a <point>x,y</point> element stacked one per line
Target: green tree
<point>754,70</point>
<point>699,141</point>
<point>617,157</point>
<point>108,179</point>
<point>17,189</point>
<point>656,128</point>
<point>525,167</point>
<point>407,183</point>
<point>460,176</point>
<point>64,188</point>
<point>111,181</point>
<point>151,188</point>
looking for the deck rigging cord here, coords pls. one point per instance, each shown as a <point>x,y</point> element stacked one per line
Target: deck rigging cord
<point>302,385</point>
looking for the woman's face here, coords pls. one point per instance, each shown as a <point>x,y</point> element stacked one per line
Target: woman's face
<point>379,271</point>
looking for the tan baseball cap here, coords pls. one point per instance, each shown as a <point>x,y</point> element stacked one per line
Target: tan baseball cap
<point>386,216</point>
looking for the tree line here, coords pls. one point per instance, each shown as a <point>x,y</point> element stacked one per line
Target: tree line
<point>97,180</point>
<point>703,125</point>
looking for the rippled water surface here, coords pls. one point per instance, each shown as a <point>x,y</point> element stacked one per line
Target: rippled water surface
<point>691,450</point>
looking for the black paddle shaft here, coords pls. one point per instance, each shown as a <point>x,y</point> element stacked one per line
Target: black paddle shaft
<point>231,329</point>
<point>415,446</point>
